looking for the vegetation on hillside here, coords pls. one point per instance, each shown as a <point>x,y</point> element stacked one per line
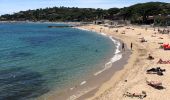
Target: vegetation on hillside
<point>138,13</point>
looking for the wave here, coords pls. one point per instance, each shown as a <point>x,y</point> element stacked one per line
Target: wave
<point>82,83</point>
<point>82,29</point>
<point>116,56</point>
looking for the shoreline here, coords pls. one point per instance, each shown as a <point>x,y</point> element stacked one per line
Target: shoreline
<point>119,59</point>
<point>132,78</point>
<point>89,86</point>
<point>115,76</point>
<point>119,63</point>
<point>117,54</point>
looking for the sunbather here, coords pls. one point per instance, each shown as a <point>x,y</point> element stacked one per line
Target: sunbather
<point>155,84</point>
<point>163,62</point>
<point>138,95</point>
<point>157,71</point>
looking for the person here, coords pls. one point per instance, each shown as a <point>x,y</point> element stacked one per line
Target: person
<point>131,45</point>
<point>150,57</point>
<point>123,47</point>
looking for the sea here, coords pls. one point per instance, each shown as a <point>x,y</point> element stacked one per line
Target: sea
<point>36,59</point>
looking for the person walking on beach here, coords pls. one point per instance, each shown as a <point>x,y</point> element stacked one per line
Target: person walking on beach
<point>131,45</point>
<point>123,47</point>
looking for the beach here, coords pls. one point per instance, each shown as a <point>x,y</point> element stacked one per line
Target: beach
<point>110,74</point>
<point>85,50</point>
<point>90,85</point>
<point>132,78</point>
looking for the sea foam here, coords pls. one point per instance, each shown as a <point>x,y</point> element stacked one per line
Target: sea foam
<point>116,56</point>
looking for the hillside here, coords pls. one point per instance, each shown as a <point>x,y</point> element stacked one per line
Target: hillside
<point>138,13</point>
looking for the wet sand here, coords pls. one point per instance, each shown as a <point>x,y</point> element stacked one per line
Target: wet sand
<point>91,85</point>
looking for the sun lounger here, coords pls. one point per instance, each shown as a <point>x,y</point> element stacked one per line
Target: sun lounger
<point>138,95</point>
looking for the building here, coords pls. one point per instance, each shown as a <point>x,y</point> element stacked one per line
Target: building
<point>112,22</point>
<point>98,22</point>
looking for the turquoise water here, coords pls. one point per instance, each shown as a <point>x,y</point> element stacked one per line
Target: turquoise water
<point>35,59</point>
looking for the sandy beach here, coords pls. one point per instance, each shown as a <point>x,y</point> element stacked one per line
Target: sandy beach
<point>132,78</point>
<point>87,88</point>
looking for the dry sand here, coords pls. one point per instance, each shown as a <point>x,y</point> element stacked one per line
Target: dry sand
<point>135,71</point>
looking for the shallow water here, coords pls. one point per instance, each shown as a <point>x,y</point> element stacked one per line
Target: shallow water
<point>35,59</point>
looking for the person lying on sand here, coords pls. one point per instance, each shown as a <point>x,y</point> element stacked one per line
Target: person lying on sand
<point>138,95</point>
<point>155,84</point>
<point>163,62</point>
<point>156,70</point>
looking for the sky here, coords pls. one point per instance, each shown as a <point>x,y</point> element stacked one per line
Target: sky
<point>12,6</point>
